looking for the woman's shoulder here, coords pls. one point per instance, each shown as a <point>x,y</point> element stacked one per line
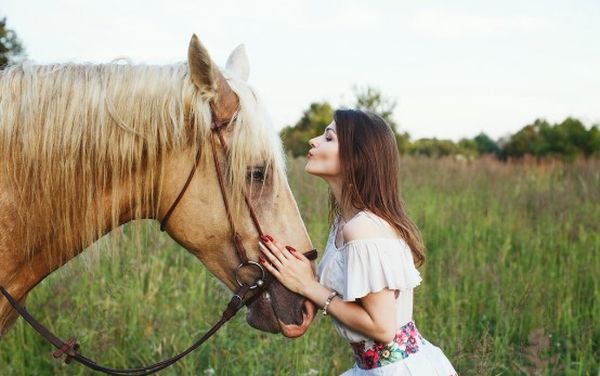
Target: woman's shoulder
<point>367,225</point>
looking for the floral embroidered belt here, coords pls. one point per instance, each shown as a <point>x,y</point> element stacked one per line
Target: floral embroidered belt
<point>407,341</point>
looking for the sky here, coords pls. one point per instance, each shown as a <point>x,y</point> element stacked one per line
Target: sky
<point>454,68</point>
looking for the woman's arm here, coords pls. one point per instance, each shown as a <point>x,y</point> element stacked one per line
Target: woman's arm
<point>374,318</point>
<point>373,315</point>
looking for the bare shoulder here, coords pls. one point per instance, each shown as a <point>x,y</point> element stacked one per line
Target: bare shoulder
<point>363,227</point>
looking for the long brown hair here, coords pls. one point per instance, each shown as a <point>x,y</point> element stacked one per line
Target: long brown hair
<point>370,165</point>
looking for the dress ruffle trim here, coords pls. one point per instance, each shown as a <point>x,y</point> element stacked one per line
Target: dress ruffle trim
<point>374,264</point>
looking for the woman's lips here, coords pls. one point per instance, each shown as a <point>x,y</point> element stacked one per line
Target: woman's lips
<point>309,156</point>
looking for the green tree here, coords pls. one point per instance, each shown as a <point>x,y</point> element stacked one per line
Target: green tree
<point>592,146</point>
<point>372,99</point>
<point>11,50</point>
<point>313,122</point>
<point>433,147</point>
<point>527,140</point>
<point>485,145</point>
<point>567,139</point>
<point>403,142</point>
<point>468,148</point>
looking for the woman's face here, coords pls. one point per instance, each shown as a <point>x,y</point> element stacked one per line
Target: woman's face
<point>323,157</point>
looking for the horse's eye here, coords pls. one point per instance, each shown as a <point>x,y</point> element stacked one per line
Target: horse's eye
<point>256,174</point>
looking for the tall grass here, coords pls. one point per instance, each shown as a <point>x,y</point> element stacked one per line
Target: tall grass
<point>511,284</point>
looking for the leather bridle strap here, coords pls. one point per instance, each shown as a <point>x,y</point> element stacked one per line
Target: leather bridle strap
<point>70,348</point>
<point>217,127</point>
<point>235,236</point>
<point>163,222</point>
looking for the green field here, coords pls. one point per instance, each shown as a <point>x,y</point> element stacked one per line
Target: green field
<point>511,284</point>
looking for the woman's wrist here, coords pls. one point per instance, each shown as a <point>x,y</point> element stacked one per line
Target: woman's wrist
<point>311,290</point>
<point>317,293</point>
<point>306,289</point>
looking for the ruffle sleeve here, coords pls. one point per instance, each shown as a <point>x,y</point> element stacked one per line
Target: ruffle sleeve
<point>374,264</point>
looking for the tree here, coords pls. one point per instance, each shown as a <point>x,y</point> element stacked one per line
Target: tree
<point>527,140</point>
<point>433,147</point>
<point>485,145</point>
<point>592,146</point>
<point>403,142</point>
<point>371,99</point>
<point>11,50</point>
<point>468,148</point>
<point>572,138</point>
<point>313,122</point>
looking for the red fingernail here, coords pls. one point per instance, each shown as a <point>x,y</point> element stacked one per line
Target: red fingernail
<point>289,248</point>
<point>261,259</point>
<point>264,238</point>
<point>270,238</point>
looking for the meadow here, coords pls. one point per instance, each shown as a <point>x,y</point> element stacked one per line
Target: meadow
<point>511,283</point>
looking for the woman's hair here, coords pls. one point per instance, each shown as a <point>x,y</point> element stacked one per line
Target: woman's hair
<point>370,167</point>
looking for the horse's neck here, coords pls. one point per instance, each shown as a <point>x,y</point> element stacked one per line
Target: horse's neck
<point>21,271</point>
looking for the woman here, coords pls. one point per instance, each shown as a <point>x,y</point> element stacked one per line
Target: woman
<point>367,274</point>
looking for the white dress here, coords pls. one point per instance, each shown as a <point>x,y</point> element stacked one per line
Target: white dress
<point>362,266</point>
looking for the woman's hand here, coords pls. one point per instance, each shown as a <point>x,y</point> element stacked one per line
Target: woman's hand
<point>289,266</point>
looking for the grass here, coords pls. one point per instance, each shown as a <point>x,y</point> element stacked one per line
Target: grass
<point>511,284</point>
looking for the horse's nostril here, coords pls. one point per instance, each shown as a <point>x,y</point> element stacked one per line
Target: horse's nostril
<point>308,310</point>
<point>308,314</point>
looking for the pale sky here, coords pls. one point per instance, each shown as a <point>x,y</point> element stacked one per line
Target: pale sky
<point>454,68</point>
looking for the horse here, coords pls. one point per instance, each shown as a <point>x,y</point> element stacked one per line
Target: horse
<point>86,148</point>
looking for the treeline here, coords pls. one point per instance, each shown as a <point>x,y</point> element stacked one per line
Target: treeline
<point>566,140</point>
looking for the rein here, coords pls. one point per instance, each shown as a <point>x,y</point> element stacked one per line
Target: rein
<point>70,348</point>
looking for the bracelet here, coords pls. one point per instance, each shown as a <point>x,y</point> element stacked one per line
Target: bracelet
<point>329,298</point>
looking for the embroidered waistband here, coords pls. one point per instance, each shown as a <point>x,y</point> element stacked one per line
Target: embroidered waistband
<point>407,341</point>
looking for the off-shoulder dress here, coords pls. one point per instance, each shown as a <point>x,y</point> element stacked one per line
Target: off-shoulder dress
<point>361,266</point>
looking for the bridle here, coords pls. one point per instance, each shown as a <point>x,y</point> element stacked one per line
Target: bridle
<point>70,348</point>
<point>236,239</point>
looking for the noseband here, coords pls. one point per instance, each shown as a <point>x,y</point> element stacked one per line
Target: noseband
<point>70,348</point>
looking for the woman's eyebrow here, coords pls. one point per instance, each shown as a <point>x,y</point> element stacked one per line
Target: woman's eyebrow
<point>330,129</point>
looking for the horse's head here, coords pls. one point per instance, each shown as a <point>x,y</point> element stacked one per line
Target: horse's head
<point>254,164</point>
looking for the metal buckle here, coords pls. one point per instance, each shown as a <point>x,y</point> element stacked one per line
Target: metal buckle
<point>259,282</point>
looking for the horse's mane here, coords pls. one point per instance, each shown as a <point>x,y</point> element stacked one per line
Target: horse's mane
<point>71,133</point>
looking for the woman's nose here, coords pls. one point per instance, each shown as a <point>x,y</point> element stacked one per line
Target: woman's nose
<point>311,142</point>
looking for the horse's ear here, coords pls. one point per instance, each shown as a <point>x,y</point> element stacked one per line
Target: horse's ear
<point>201,68</point>
<point>238,64</point>
<point>209,79</point>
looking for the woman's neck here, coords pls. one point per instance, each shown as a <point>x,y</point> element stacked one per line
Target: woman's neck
<point>336,188</point>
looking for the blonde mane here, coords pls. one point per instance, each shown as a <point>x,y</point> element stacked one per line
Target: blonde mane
<point>71,134</point>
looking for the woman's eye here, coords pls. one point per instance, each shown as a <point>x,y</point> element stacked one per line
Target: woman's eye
<point>256,174</point>
<point>328,139</point>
